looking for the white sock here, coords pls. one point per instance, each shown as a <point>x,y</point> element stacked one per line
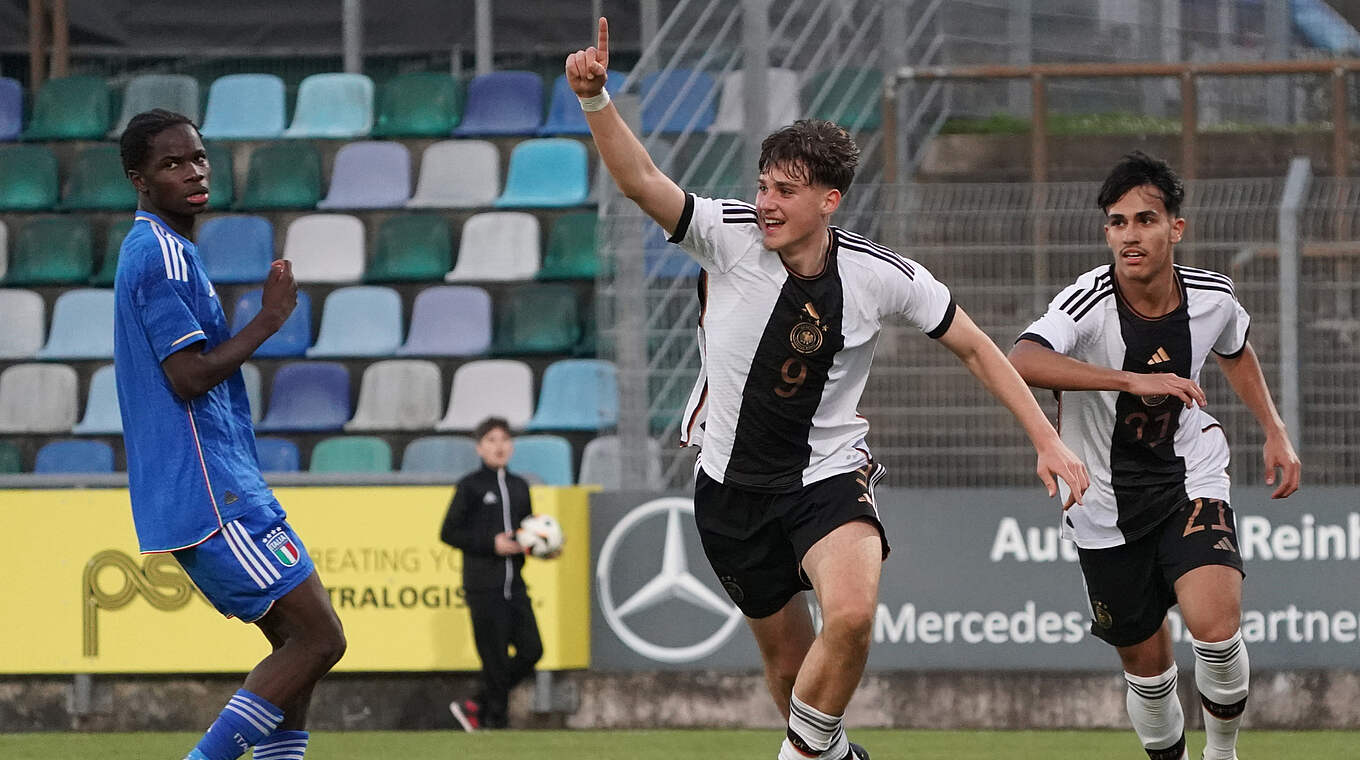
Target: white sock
<point>1156,714</point>
<point>812,733</point>
<point>1221,674</point>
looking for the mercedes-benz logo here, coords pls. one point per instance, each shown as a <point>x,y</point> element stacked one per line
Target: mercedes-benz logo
<point>673,582</point>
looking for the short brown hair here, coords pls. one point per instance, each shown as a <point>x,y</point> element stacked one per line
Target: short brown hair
<point>820,152</point>
<point>487,425</point>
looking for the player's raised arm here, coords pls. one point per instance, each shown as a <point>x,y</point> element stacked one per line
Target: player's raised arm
<point>623,155</point>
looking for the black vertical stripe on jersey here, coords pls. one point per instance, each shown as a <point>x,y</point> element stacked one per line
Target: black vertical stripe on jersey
<point>770,448</point>
<point>1149,480</point>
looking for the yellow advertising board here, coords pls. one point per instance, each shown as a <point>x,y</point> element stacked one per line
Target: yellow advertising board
<point>78,598</point>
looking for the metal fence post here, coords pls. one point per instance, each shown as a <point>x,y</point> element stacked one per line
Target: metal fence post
<point>1291,207</point>
<point>623,234</point>
<point>485,46</point>
<point>755,33</point>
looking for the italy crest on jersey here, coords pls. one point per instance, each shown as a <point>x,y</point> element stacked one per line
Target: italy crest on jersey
<point>281,545</point>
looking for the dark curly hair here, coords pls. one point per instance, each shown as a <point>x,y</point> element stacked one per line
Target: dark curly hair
<point>820,152</point>
<point>1137,169</point>
<point>489,424</point>
<point>135,144</point>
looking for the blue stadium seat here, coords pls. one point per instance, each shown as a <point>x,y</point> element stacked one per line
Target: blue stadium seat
<point>503,103</point>
<point>577,394</point>
<point>369,174</point>
<point>435,309</point>
<point>362,320</point>
<point>82,325</point>
<point>277,454</point>
<point>451,455</point>
<point>546,458</point>
<point>333,105</point>
<point>173,92</point>
<point>663,260</point>
<point>546,172</point>
<point>245,107</point>
<point>74,456</point>
<point>11,109</point>
<point>101,408</point>
<point>676,101</point>
<point>565,116</point>
<point>236,249</point>
<point>308,396</point>
<point>291,340</point>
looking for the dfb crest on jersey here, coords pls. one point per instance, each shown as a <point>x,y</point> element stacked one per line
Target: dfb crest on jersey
<point>1102,613</point>
<point>806,336</point>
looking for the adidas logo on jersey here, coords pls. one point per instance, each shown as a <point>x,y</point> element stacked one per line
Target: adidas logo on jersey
<point>1226,545</point>
<point>1161,357</point>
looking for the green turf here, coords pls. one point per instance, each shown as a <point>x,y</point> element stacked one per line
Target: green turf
<point>664,745</point>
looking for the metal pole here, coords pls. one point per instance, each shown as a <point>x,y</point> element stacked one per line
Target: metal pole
<point>1189,124</point>
<point>651,21</point>
<point>1039,196</point>
<point>1038,138</point>
<point>755,33</point>
<point>895,55</point>
<point>1291,206</point>
<point>1150,39</point>
<point>1279,30</point>
<point>1020,27</point>
<point>621,231</point>
<point>37,45</point>
<point>482,16</point>
<point>61,39</point>
<point>352,35</point>
<point>1341,127</point>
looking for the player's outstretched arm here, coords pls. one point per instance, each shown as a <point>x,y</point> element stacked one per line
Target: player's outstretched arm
<point>624,157</point>
<point>193,372</point>
<point>1042,367</point>
<point>982,358</point>
<point>1249,383</point>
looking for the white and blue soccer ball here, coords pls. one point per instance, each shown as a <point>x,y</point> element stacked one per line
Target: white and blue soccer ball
<point>540,535</point>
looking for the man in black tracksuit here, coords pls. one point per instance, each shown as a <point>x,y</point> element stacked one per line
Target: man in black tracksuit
<point>487,507</point>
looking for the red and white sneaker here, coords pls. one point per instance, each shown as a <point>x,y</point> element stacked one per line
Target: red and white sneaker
<point>466,713</point>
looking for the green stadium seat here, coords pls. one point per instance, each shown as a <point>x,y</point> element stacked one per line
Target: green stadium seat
<point>11,459</point>
<point>71,108</point>
<point>112,244</point>
<point>352,453</point>
<point>537,318</point>
<point>51,251</point>
<point>851,97</point>
<point>283,175</point>
<point>419,104</point>
<point>221,186</point>
<point>713,167</point>
<point>412,248</point>
<point>571,249</point>
<point>98,182</point>
<point>28,178</point>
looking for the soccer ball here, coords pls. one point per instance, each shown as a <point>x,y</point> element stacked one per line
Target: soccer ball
<point>540,535</point>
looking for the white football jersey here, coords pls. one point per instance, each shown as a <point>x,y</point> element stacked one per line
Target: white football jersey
<point>784,358</point>
<point>1146,455</point>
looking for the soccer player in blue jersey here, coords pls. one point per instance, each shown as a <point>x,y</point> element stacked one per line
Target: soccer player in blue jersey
<point>193,475</point>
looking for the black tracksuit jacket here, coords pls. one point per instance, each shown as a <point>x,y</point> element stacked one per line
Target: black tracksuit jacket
<point>487,502</point>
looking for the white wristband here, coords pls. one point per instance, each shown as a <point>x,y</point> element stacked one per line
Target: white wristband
<point>595,102</point>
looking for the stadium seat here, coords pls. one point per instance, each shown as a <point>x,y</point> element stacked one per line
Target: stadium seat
<point>600,466</point>
<point>70,108</point>
<point>82,325</point>
<point>308,396</point>
<point>449,320</point>
<point>333,105</point>
<point>663,260</point>
<point>411,248</point>
<point>4,249</point>
<point>546,172</point>
<point>419,104</point>
<point>399,394</point>
<point>450,455</point>
<point>11,109</point>
<point>101,406</point>
<point>458,174</point>
<point>23,320</point>
<point>713,166</point>
<point>361,320</point>
<point>497,245</point>
<point>781,89</point>
<point>565,116</point>
<point>222,180</point>
<point>74,456</point>
<point>571,249</point>
<point>282,176</point>
<point>543,458</point>
<point>851,97</point>
<point>369,174</point>
<point>352,453</point>
<point>98,182</point>
<point>291,340</point>
<point>173,92</point>
<point>577,394</point>
<point>113,243</point>
<point>325,248</point>
<point>250,375</point>
<point>11,459</point>
<point>486,388</point>
<point>28,178</point>
<point>37,398</point>
<point>277,454</point>
<point>503,103</point>
<point>677,101</point>
<point>245,107</point>
<point>51,251</point>
<point>236,249</point>
<point>537,318</point>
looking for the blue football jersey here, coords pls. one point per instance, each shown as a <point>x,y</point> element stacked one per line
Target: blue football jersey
<point>191,464</point>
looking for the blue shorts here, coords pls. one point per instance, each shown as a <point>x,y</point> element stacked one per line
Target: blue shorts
<point>249,564</point>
